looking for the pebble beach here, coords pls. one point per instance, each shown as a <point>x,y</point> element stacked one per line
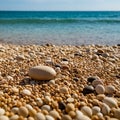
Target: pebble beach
<point>77,83</point>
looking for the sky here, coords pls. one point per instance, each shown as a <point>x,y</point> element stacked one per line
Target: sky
<point>60,5</point>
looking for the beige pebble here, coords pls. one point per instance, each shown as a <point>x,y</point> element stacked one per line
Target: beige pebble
<point>23,111</point>
<point>15,110</point>
<point>2,117</point>
<point>70,107</point>
<point>95,110</point>
<point>20,57</point>
<point>86,111</point>
<point>100,89</point>
<point>97,82</point>
<point>111,102</point>
<point>42,73</point>
<point>14,117</point>
<point>100,97</point>
<point>105,109</point>
<point>30,118</point>
<point>47,99</point>
<point>110,89</point>
<point>46,107</point>
<point>39,102</point>
<point>26,92</point>
<point>55,114</point>
<point>64,90</point>
<point>66,117</point>
<point>72,114</point>
<point>40,116</point>
<point>70,100</point>
<point>2,111</point>
<point>117,113</point>
<point>48,117</point>
<point>14,89</point>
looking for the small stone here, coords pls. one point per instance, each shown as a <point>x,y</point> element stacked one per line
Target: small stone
<point>110,89</point>
<point>40,116</point>
<point>117,113</point>
<point>70,107</point>
<point>100,89</point>
<point>91,79</point>
<point>87,111</point>
<point>26,92</point>
<point>95,110</point>
<point>46,107</point>
<point>55,114</point>
<point>100,97</point>
<point>30,118</point>
<point>70,100</point>
<point>111,102</point>
<point>64,90</point>
<point>62,105</point>
<point>47,99</point>
<point>23,111</point>
<point>97,82</point>
<point>66,117</point>
<point>20,57</point>
<point>48,117</point>
<point>15,90</point>
<point>2,111</point>
<point>105,109</point>
<point>72,114</point>
<point>88,90</point>
<point>39,102</point>
<point>42,73</point>
<point>14,117</point>
<point>2,117</point>
<point>15,110</point>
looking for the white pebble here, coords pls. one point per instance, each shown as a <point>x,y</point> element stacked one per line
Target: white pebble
<point>2,117</point>
<point>95,110</point>
<point>26,92</point>
<point>46,107</point>
<point>87,111</point>
<point>2,111</point>
<point>100,89</point>
<point>70,100</point>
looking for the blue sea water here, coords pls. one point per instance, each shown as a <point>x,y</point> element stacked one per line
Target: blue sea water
<point>71,28</point>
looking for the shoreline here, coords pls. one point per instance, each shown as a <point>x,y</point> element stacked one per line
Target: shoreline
<point>68,93</point>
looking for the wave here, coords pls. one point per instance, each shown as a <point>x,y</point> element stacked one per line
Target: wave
<point>61,20</point>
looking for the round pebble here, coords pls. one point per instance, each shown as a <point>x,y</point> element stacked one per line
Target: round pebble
<point>70,100</point>
<point>15,110</point>
<point>46,107</point>
<point>88,90</point>
<point>70,107</point>
<point>66,117</point>
<point>95,110</point>
<point>23,111</point>
<point>64,90</point>
<point>40,116</point>
<point>100,89</point>
<point>2,117</point>
<point>48,117</point>
<point>97,82</point>
<point>55,114</point>
<point>105,109</point>
<point>14,117</point>
<point>86,111</point>
<point>2,111</point>
<point>39,102</point>
<point>110,89</point>
<point>117,113</point>
<point>26,92</point>
<point>42,73</point>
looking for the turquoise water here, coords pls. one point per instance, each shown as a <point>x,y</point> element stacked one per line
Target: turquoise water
<point>75,28</point>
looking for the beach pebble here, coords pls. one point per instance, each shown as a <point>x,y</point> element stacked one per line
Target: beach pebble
<point>20,57</point>
<point>23,111</point>
<point>26,92</point>
<point>42,73</point>
<point>70,107</point>
<point>88,89</point>
<point>111,102</point>
<point>70,100</point>
<point>48,117</point>
<point>62,105</point>
<point>64,90</point>
<point>40,116</point>
<point>2,117</point>
<point>91,79</point>
<point>2,111</point>
<point>14,117</point>
<point>97,82</point>
<point>100,89</point>
<point>55,114</point>
<point>81,116</point>
<point>39,102</point>
<point>46,107</point>
<point>95,110</point>
<point>117,113</point>
<point>15,110</point>
<point>66,117</point>
<point>105,109</point>
<point>110,89</point>
<point>86,111</point>
<point>100,96</point>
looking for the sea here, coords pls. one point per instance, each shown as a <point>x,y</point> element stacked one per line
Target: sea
<point>60,27</point>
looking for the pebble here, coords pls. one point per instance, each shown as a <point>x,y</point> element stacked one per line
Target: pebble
<point>100,97</point>
<point>111,102</point>
<point>105,109</point>
<point>95,110</point>
<point>64,90</point>
<point>66,117</point>
<point>2,117</point>
<point>23,111</point>
<point>86,111</point>
<point>2,111</point>
<point>40,116</point>
<point>91,79</point>
<point>15,110</point>
<point>20,57</point>
<point>26,92</point>
<point>88,90</point>
<point>62,105</point>
<point>14,117</point>
<point>97,82</point>
<point>46,107</point>
<point>70,107</point>
<point>48,117</point>
<point>117,113</point>
<point>42,73</point>
<point>70,100</point>
<point>55,114</point>
<point>39,102</point>
<point>110,89</point>
<point>100,89</point>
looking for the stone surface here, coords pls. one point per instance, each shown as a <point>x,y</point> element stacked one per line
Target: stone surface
<point>87,111</point>
<point>100,89</point>
<point>42,73</point>
<point>110,89</point>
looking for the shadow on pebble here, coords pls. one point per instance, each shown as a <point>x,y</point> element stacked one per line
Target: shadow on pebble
<point>29,81</point>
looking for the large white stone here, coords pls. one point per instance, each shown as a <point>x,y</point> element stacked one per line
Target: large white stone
<point>42,73</point>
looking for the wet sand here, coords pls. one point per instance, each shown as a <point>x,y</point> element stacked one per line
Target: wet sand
<point>65,96</point>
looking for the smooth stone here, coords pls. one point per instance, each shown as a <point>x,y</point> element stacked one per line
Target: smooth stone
<point>95,110</point>
<point>14,117</point>
<point>48,117</point>
<point>97,82</point>
<point>15,110</point>
<point>46,107</point>
<point>70,100</point>
<point>55,114</point>
<point>64,90</point>
<point>117,113</point>
<point>66,117</point>
<point>42,73</point>
<point>105,109</point>
<point>70,107</point>
<point>88,90</point>
<point>2,111</point>
<point>100,89</point>
<point>110,89</point>
<point>23,111</point>
<point>91,79</point>
<point>30,118</point>
<point>86,111</point>
<point>62,105</point>
<point>81,116</point>
<point>39,116</point>
<point>39,102</point>
<point>26,92</point>
<point>20,57</point>
<point>3,117</point>
<point>111,102</point>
